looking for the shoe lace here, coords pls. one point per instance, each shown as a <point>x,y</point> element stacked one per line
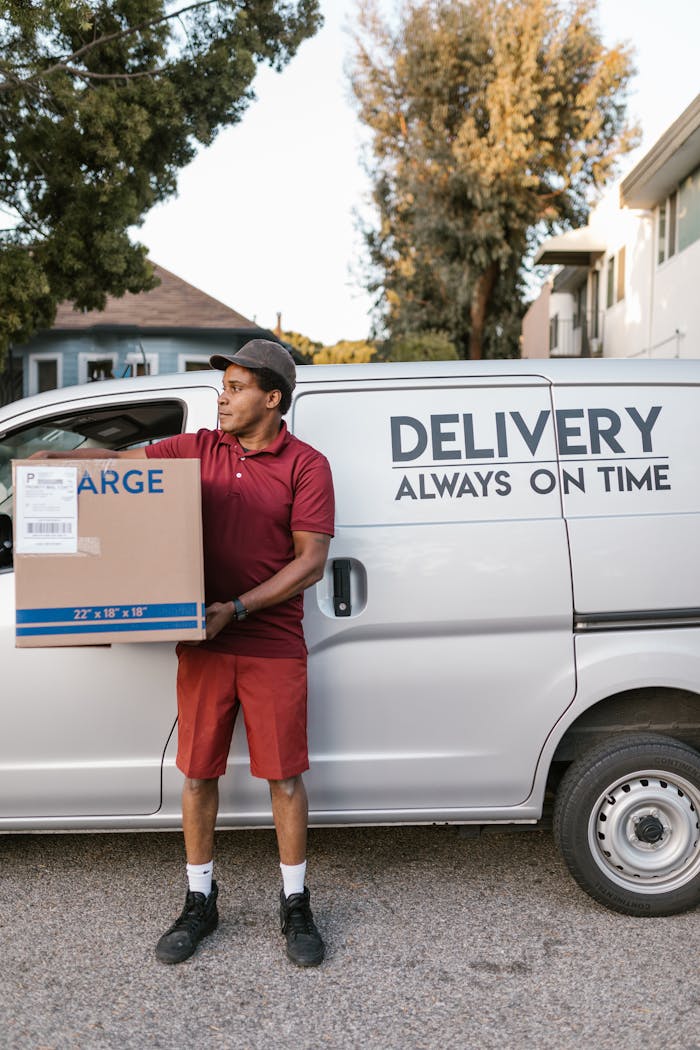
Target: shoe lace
<point>299,918</point>
<point>192,914</point>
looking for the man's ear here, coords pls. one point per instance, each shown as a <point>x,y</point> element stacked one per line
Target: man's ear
<point>274,398</point>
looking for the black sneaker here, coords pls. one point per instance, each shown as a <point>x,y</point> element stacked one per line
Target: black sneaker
<point>304,944</point>
<point>199,917</point>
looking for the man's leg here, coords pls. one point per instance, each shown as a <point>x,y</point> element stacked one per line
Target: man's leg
<point>200,803</point>
<point>290,810</point>
<point>207,706</point>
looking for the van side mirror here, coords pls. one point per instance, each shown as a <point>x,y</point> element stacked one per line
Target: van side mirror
<point>5,541</point>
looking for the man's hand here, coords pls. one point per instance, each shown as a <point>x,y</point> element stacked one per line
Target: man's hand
<point>219,615</point>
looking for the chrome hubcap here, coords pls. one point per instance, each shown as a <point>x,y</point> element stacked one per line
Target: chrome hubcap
<point>644,832</point>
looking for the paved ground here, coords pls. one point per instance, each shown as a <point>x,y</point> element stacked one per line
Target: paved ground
<point>434,941</point>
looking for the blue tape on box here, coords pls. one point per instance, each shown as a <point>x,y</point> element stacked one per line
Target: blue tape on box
<point>102,618</point>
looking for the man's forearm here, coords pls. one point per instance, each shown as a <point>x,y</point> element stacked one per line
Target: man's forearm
<point>292,579</point>
<point>289,581</point>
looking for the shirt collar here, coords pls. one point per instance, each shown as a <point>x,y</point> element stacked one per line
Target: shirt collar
<point>273,449</point>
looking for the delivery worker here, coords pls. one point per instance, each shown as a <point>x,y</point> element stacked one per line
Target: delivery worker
<point>267,508</point>
<point>267,501</point>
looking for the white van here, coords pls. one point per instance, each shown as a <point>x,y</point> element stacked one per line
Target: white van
<point>510,612</point>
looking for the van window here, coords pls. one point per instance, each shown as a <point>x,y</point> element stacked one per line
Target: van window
<point>116,428</point>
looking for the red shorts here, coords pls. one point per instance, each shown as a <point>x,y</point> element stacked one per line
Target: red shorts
<point>210,688</point>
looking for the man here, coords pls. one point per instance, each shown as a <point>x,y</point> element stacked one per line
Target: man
<point>267,502</point>
<point>267,505</point>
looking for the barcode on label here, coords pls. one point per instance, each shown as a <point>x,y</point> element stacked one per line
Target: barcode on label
<point>49,528</point>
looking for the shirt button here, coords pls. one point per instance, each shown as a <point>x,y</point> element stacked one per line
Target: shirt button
<point>242,459</point>
<point>239,475</point>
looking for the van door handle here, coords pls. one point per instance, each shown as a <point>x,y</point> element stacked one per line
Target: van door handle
<point>341,587</point>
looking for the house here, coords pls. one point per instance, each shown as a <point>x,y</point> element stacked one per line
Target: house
<point>626,285</point>
<point>173,328</point>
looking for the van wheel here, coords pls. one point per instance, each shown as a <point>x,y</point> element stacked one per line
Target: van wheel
<point>627,821</point>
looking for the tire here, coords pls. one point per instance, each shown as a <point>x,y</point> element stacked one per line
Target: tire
<point>627,822</point>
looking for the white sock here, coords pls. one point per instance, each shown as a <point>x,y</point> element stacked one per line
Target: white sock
<point>293,876</point>
<point>199,877</point>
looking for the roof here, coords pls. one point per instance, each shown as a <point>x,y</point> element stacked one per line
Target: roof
<point>675,155</point>
<point>569,278</point>
<point>173,304</point>
<point>579,247</point>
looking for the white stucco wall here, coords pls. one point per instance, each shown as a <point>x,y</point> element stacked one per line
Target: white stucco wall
<point>677,305</point>
<point>625,323</point>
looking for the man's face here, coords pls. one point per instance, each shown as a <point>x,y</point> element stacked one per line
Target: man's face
<point>243,406</point>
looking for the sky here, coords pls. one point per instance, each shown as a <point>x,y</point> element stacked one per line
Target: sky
<point>265,219</point>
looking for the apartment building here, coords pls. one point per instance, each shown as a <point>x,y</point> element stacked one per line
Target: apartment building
<point>628,283</point>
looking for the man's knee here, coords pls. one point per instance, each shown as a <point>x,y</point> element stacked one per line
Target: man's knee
<point>286,787</point>
<point>200,789</point>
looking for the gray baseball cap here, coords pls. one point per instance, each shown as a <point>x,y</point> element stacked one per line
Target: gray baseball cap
<point>260,353</point>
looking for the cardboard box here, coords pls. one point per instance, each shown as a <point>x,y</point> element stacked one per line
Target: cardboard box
<point>107,550</point>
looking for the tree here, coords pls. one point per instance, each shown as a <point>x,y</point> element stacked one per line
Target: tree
<point>304,347</point>
<point>489,118</point>
<point>344,352</point>
<point>421,346</point>
<point>101,104</point>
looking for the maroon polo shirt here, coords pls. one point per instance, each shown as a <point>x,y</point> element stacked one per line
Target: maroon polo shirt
<point>251,504</point>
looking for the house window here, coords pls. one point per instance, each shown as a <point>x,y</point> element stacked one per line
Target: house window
<point>554,332</point>
<point>100,368</point>
<point>47,375</point>
<point>45,372</point>
<point>595,306</point>
<point>579,306</point>
<point>615,278</point>
<point>610,297</point>
<point>666,229</point>
<point>672,223</point>
<point>93,368</point>
<point>141,364</point>
<point>689,211</point>
<point>620,274</point>
<point>661,254</point>
<point>192,362</point>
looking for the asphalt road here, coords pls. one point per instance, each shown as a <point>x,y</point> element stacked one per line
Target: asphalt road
<point>434,941</point>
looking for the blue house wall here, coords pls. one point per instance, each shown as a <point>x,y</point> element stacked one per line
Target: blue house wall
<point>74,357</point>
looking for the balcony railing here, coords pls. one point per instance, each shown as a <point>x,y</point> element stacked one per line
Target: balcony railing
<point>580,336</point>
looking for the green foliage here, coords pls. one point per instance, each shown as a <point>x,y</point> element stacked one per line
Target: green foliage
<point>346,352</point>
<point>26,299</point>
<point>488,117</point>
<point>101,104</point>
<point>421,346</point>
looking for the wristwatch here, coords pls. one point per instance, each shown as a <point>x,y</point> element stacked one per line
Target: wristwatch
<point>239,609</point>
